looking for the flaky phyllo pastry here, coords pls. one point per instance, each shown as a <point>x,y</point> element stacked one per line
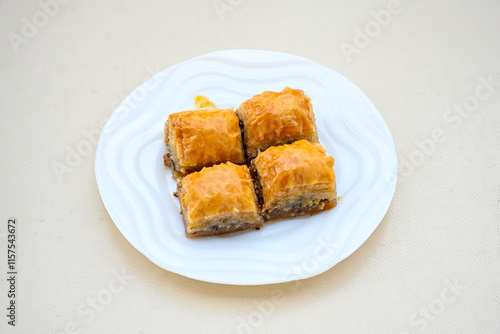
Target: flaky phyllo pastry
<point>217,200</point>
<point>234,170</point>
<point>295,179</point>
<point>200,138</point>
<point>272,118</point>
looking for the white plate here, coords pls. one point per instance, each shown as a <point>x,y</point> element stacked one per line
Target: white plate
<point>137,188</point>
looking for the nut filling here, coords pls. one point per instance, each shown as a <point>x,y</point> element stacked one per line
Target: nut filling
<point>297,208</point>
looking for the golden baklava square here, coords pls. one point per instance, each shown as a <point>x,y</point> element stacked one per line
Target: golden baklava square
<point>294,179</point>
<point>200,138</point>
<point>217,200</point>
<point>276,118</point>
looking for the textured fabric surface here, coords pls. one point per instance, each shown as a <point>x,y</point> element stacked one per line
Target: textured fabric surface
<point>431,67</point>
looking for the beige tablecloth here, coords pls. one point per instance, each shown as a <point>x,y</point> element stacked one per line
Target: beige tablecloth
<point>431,67</point>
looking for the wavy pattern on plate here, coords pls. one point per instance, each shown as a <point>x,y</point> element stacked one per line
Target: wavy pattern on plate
<point>137,189</point>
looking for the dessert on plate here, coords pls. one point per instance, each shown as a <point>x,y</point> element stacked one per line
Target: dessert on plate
<point>294,179</point>
<point>217,200</point>
<point>200,138</point>
<point>276,118</point>
<point>234,170</point>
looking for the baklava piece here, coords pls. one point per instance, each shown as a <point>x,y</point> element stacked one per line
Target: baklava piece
<point>199,138</point>
<point>273,118</point>
<point>218,200</point>
<point>294,179</point>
